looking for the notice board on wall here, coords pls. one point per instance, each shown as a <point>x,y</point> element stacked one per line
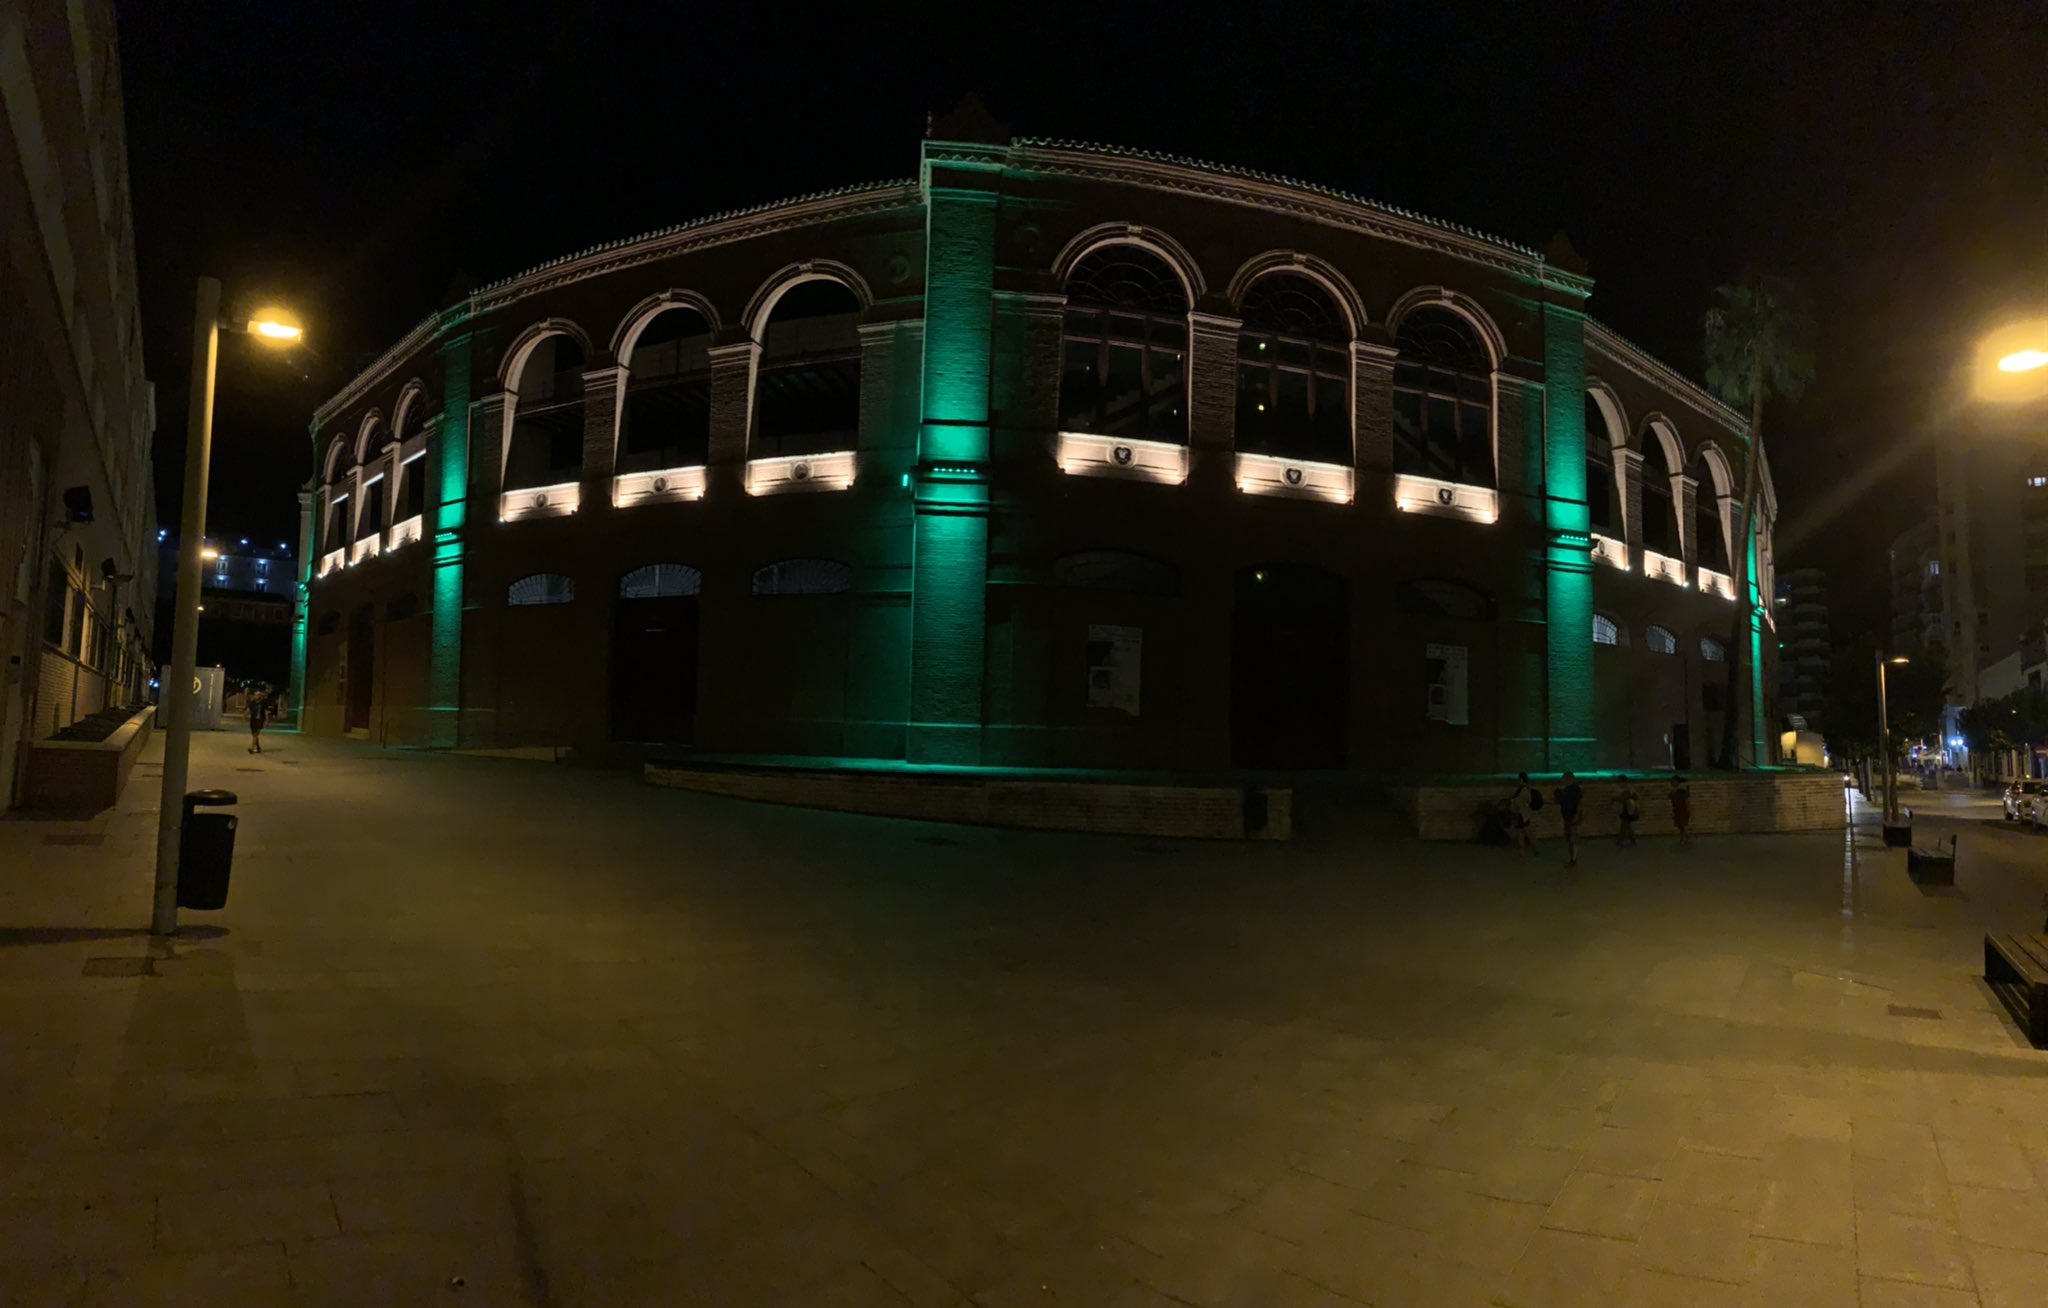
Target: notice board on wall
<point>1114,656</point>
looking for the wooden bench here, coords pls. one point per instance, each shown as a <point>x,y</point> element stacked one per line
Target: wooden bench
<point>2016,967</point>
<point>1932,867</point>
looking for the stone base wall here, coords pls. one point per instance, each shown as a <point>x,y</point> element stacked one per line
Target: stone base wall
<point>76,776</point>
<point>1102,807</point>
<point>1754,803</point>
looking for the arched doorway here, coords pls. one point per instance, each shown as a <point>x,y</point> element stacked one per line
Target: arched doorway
<point>1290,667</point>
<point>360,669</point>
<point>654,655</point>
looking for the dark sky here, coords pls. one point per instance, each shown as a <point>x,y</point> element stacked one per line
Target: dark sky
<point>1892,157</point>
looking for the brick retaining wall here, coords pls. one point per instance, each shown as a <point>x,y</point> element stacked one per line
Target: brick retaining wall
<point>1754,803</point>
<point>79,776</point>
<point>1102,807</point>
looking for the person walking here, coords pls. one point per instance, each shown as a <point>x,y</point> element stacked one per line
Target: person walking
<point>1631,813</point>
<point>1681,808</point>
<point>1522,806</point>
<point>259,713</point>
<point>1569,797</point>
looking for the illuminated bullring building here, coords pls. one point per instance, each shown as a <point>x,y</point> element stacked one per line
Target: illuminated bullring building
<point>1055,456</point>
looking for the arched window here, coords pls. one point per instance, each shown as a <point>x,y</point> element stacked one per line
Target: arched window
<point>335,537</point>
<point>376,483</point>
<point>1601,490</point>
<point>1605,630</point>
<point>547,417</point>
<point>1126,344</point>
<point>1660,640</point>
<point>541,588</point>
<point>410,496</point>
<point>1119,570</point>
<point>1713,651</point>
<point>661,581</point>
<point>807,390</point>
<point>667,419</point>
<point>1293,371</point>
<point>1660,515</point>
<point>1443,399</point>
<point>1713,544</point>
<point>1434,597</point>
<point>803,577</point>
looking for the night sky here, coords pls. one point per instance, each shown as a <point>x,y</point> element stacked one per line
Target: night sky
<point>1892,157</point>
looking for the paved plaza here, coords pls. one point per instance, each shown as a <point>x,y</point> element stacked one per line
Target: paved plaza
<point>493,1032</point>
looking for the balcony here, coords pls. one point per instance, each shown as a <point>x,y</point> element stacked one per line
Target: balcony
<point>800,472</point>
<point>656,487</point>
<point>333,561</point>
<point>1083,455</point>
<point>1717,583</point>
<point>1610,551</point>
<point>366,548</point>
<point>1263,474</point>
<point>1664,567</point>
<point>556,501</point>
<point>1445,499</point>
<point>406,532</point>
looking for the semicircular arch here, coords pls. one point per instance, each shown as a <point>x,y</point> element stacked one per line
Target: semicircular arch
<point>796,274</point>
<point>1463,305</point>
<point>1319,271</point>
<point>410,399</point>
<point>640,315</point>
<point>364,430</point>
<point>1610,409</point>
<point>1149,239</point>
<point>526,342</point>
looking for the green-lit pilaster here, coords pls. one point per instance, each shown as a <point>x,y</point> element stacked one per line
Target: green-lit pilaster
<point>448,509</point>
<point>1759,752</point>
<point>302,583</point>
<point>949,542</point>
<point>1568,560</point>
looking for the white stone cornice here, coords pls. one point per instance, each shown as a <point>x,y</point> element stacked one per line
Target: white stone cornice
<point>1661,375</point>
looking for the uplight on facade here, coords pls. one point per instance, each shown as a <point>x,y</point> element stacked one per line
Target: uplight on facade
<point>1611,551</point>
<point>800,472</point>
<point>1081,454</point>
<point>539,502</point>
<point>1262,474</point>
<point>633,488</point>
<point>1449,499</point>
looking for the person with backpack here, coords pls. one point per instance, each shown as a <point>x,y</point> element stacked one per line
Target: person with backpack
<point>1523,805</point>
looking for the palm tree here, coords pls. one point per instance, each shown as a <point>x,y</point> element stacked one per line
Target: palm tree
<point>1759,337</point>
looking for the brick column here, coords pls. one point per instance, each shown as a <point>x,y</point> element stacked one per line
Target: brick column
<point>1568,559</point>
<point>601,391</point>
<point>732,397</point>
<point>1686,497</point>
<point>449,485</point>
<point>1522,685</point>
<point>1372,406</point>
<point>949,532</point>
<point>1630,464</point>
<point>1212,398</point>
<point>301,600</point>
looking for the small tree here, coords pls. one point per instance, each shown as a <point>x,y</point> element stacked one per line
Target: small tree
<point>1759,344</point>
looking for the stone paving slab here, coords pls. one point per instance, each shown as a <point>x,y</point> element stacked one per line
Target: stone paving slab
<point>573,1041</point>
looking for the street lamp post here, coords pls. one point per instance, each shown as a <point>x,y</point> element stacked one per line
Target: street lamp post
<point>1884,742</point>
<point>272,327</point>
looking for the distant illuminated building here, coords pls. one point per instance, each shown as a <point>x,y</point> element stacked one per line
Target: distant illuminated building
<point>1055,455</point>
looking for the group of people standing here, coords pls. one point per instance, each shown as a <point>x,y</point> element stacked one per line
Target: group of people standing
<point>1527,801</point>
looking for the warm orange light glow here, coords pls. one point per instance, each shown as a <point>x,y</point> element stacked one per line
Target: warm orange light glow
<point>209,553</point>
<point>2024,361</point>
<point>275,326</point>
<point>2012,363</point>
<point>1900,658</point>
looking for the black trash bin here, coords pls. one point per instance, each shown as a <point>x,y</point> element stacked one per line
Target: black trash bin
<point>206,850</point>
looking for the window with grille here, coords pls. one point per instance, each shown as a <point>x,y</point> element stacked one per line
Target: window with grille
<point>1293,372</point>
<point>1661,641</point>
<point>1124,364</point>
<point>1605,630</point>
<point>1713,651</point>
<point>803,577</point>
<point>661,581</point>
<point>541,588</point>
<point>1443,399</point>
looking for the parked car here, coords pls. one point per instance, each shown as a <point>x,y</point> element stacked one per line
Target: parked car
<point>2021,799</point>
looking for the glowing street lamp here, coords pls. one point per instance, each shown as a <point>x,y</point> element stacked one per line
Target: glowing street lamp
<point>2012,363</point>
<point>279,329</point>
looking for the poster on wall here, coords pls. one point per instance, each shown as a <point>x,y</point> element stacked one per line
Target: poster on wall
<point>1446,666</point>
<point>1114,654</point>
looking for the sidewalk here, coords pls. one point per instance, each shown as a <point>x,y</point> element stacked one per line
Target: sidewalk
<point>581,1042</point>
